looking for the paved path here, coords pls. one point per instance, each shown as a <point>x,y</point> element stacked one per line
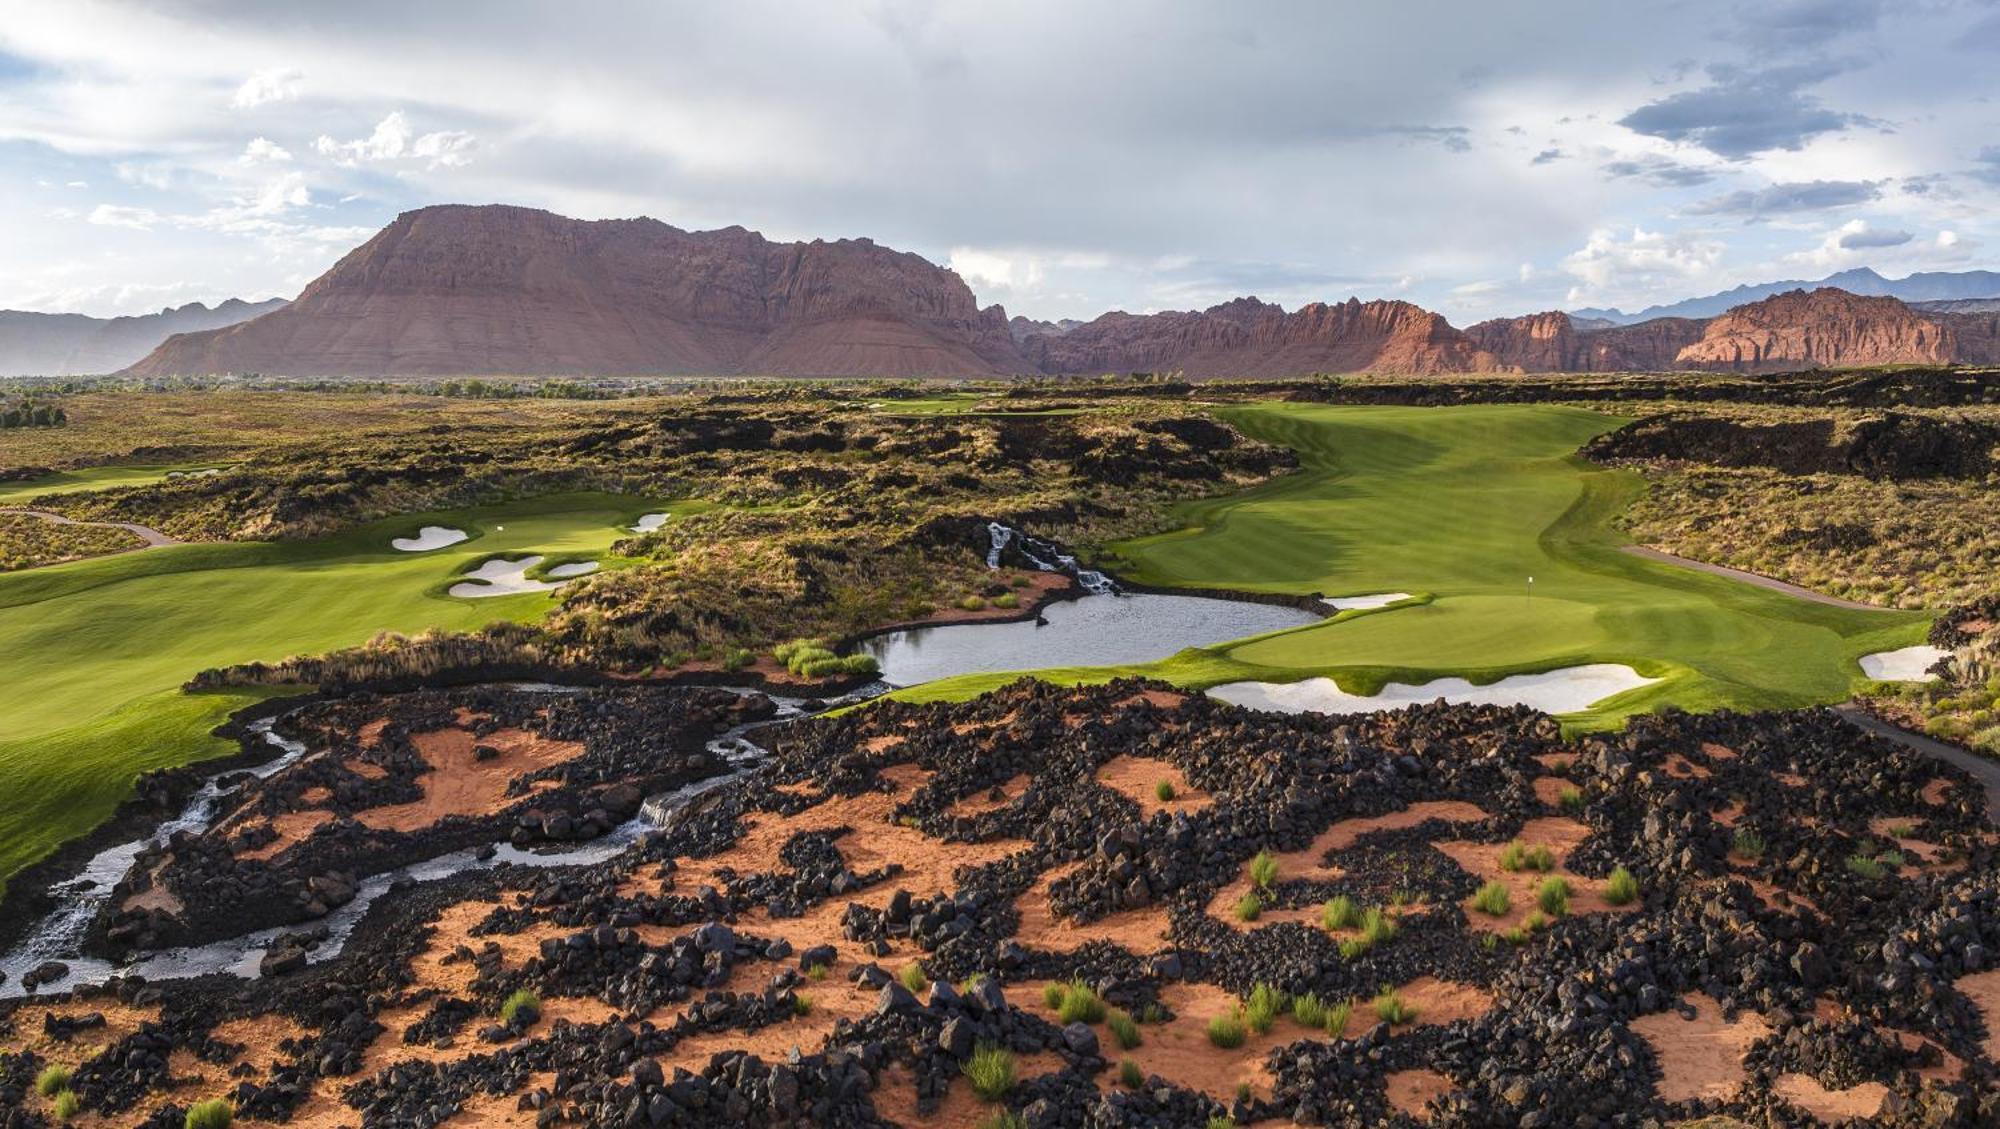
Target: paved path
<point>1984,770</point>
<point>1757,578</point>
<point>152,537</point>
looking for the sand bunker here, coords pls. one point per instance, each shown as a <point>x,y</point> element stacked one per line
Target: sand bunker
<point>428,538</point>
<point>648,523</point>
<point>1357,603</point>
<point>1700,1057</point>
<point>1554,691</point>
<point>1908,664</point>
<point>501,577</point>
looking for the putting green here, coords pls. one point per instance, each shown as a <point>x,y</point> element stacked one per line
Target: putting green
<point>92,653</point>
<point>1462,505</point>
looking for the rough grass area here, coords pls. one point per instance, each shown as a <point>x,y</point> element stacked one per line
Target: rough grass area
<point>30,542</point>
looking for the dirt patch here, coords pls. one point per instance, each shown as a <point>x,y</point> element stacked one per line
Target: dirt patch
<point>1141,931</point>
<point>1681,768</point>
<point>1549,790</point>
<point>1700,1057</point>
<point>1411,1090</point>
<point>461,784</point>
<point>992,799</point>
<point>1139,778</point>
<point>1934,792</point>
<point>1830,1106</point>
<point>1561,836</point>
<point>896,1097</point>
<point>291,827</point>
<point>1718,752</point>
<point>1983,989</point>
<point>1342,835</point>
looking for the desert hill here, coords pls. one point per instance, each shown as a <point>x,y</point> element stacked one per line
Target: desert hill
<point>38,344</point>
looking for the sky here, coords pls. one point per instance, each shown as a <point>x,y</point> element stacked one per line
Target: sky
<point>1478,158</point>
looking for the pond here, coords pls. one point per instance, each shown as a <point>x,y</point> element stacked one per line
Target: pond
<point>1092,631</point>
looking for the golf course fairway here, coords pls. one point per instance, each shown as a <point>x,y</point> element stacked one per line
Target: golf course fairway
<point>93,653</point>
<point>1463,505</point>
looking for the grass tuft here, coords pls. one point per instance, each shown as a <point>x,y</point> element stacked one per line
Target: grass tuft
<point>1552,896</point>
<point>1309,1010</point>
<point>522,1003</point>
<point>1165,791</point>
<point>1124,1029</point>
<point>913,978</point>
<point>1337,1017</point>
<point>1080,1004</point>
<point>1391,1008</point>
<point>1226,1031</point>
<point>1622,888</point>
<point>1493,899</point>
<point>1263,1007</point>
<point>991,1071</point>
<point>52,1080</point>
<point>1130,1076</point>
<point>1746,844</point>
<point>67,1105</point>
<point>1249,906</point>
<point>1340,912</point>
<point>1263,870</point>
<point>215,1113</point>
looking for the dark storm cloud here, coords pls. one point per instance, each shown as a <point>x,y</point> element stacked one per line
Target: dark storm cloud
<point>1745,111</point>
<point>1802,196</point>
<point>1868,238</point>
<point>1659,172</point>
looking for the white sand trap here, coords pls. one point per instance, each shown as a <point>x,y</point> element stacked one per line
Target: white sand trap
<point>1357,603</point>
<point>1554,691</point>
<point>648,523</point>
<point>1905,665</point>
<point>572,571</point>
<point>501,578</point>
<point>428,538</point>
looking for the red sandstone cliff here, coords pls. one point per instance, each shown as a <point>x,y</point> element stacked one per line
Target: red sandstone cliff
<point>1249,338</point>
<point>452,289</point>
<point>1553,342</point>
<point>1824,328</point>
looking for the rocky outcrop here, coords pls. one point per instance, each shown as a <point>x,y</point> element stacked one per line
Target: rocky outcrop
<point>1250,338</point>
<point>496,289</point>
<point>35,344</point>
<point>1977,334</point>
<point>1557,342</point>
<point>1819,328</point>
<point>1893,446</point>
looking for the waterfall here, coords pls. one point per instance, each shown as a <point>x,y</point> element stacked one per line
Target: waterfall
<point>1047,557</point>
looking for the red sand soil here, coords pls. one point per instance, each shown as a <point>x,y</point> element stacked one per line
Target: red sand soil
<point>1411,1090</point>
<point>1339,837</point>
<point>1934,792</point>
<point>292,827</point>
<point>1560,835</point>
<point>1549,789</point>
<point>1983,989</point>
<point>1137,777</point>
<point>1142,931</point>
<point>1681,768</point>
<point>1830,1106</point>
<point>1718,752</point>
<point>896,1096</point>
<point>1702,1057</point>
<point>1911,847</point>
<point>459,784</point>
<point>982,801</point>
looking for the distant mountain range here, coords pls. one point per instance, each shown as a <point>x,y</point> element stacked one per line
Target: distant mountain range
<point>461,290</point>
<point>1924,286</point>
<point>33,344</point>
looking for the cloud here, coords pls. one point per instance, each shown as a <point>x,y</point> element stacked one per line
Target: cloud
<point>1864,238</point>
<point>278,84</point>
<point>1989,164</point>
<point>120,215</point>
<point>1547,156</point>
<point>1785,25</point>
<point>393,139</point>
<point>1612,264</point>
<point>1790,196</point>
<point>1744,111</point>
<point>1660,172</point>
<point>262,150</point>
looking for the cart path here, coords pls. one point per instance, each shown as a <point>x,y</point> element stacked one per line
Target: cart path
<point>1983,769</point>
<point>153,538</point>
<point>1757,578</point>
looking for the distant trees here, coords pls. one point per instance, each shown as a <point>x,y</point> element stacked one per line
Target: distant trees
<point>27,413</point>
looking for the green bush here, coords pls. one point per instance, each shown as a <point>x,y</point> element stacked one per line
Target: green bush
<point>1130,1076</point>
<point>1542,859</point>
<point>215,1113</point>
<point>522,1003</point>
<point>1080,1004</point>
<point>1337,1017</point>
<point>1493,899</point>
<point>1007,600</point>
<point>1377,927</point>
<point>1052,995</point>
<point>1249,906</point>
<point>52,1080</point>
<point>1391,1009</point>
<point>991,1071</point>
<point>1263,870</point>
<point>1746,844</point>
<point>1308,1010</point>
<point>1552,895</point>
<point>1164,790</point>
<point>1863,866</point>
<point>802,1004</point>
<point>973,604</point>
<point>1513,856</point>
<point>1354,948</point>
<point>1221,1122</point>
<point>913,977</point>
<point>1340,912</point>
<point>1124,1029</point>
<point>1226,1031</point>
<point>1571,798</point>
<point>67,1105</point>
<point>1622,888</point>
<point>1263,1007</point>
<point>738,658</point>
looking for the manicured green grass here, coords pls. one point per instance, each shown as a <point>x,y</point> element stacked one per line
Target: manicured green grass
<point>1462,505</point>
<point>92,653</point>
<point>94,478</point>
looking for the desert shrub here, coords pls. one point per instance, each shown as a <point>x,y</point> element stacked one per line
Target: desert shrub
<point>817,971</point>
<point>1571,798</point>
<point>1263,870</point>
<point>1309,1010</point>
<point>1340,912</point>
<point>1226,1031</point>
<point>1124,1029</point>
<point>971,983</point>
<point>1080,1004</point>
<point>1007,600</point>
<point>973,604</point>
<point>1621,888</point>
<point>913,977</point>
<point>1354,948</point>
<point>1513,856</point>
<point>522,1005</point>
<point>1863,866</point>
<point>1220,1121</point>
<point>991,1071</point>
<point>1249,906</point>
<point>1746,844</point>
<point>1552,896</point>
<point>802,1004</point>
<point>1377,927</point>
<point>1164,790</point>
<point>215,1113</point>
<point>52,1080</point>
<point>1541,859</point>
<point>1130,1076</point>
<point>1052,995</point>
<point>1337,1017</point>
<point>1261,1010</point>
<point>67,1105</point>
<point>737,658</point>
<point>1492,899</point>
<point>1390,1008</point>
